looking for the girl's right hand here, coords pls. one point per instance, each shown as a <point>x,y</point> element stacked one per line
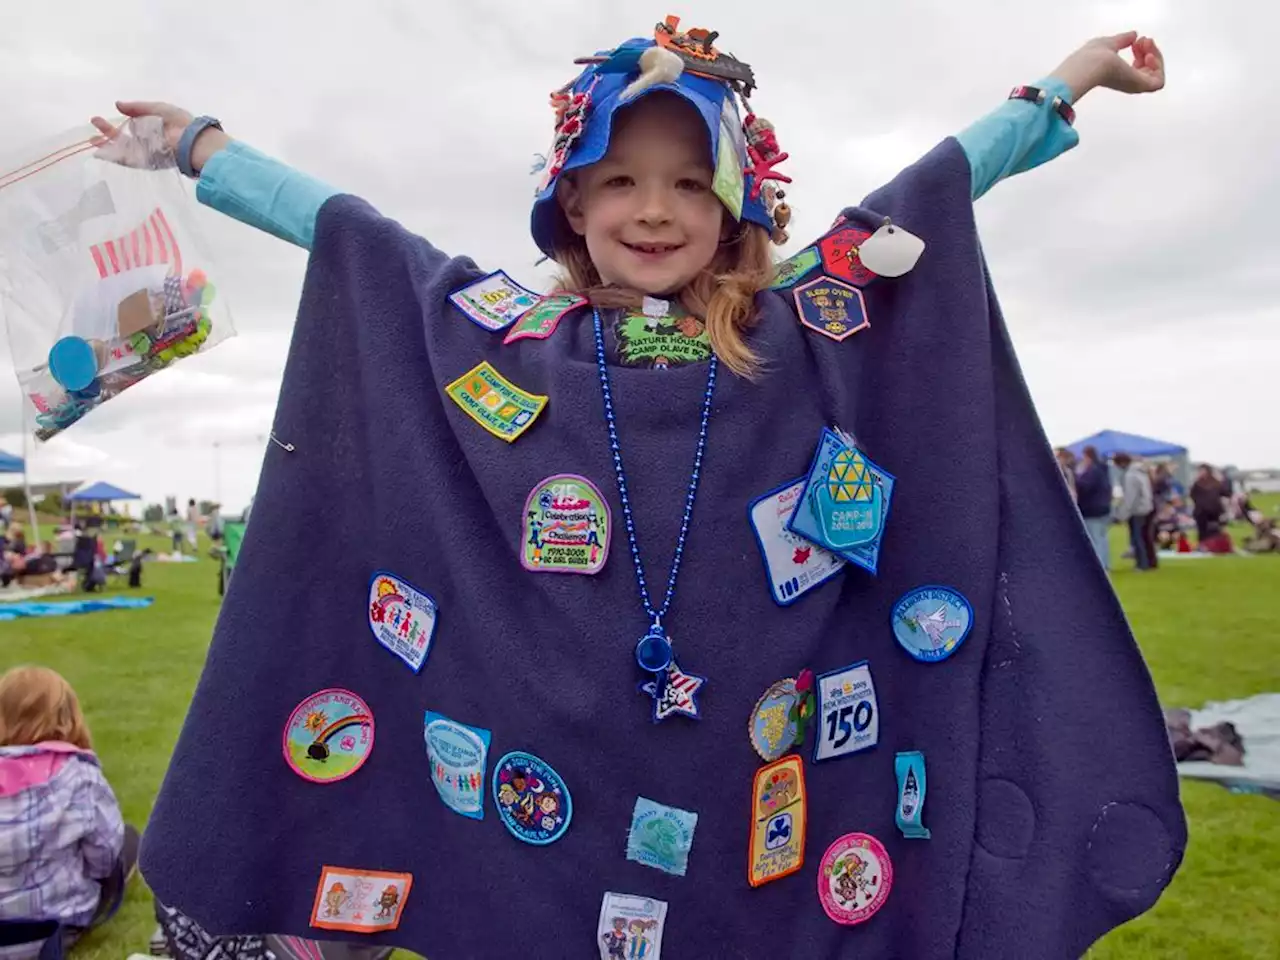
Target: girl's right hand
<point>151,141</point>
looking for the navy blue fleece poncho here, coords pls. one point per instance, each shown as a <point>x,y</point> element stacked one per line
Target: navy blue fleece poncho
<point>1052,802</point>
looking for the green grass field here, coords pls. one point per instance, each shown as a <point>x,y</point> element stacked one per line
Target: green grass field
<point>1207,629</point>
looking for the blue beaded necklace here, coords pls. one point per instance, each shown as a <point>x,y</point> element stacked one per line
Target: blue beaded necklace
<point>673,690</point>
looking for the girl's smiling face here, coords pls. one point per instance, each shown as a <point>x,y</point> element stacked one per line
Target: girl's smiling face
<point>646,210</point>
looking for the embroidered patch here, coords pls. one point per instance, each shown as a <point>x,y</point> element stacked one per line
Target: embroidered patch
<point>662,341</point>
<point>495,403</point>
<point>909,767</point>
<point>329,736</point>
<point>567,524</point>
<point>793,564</point>
<point>457,753</point>
<point>794,268</point>
<point>541,320</point>
<point>848,714</point>
<point>839,250</point>
<point>402,618</point>
<point>728,182</point>
<point>630,926</point>
<point>845,504</point>
<point>360,901</point>
<point>832,308</point>
<point>854,878</point>
<point>494,302</point>
<point>931,622</point>
<point>532,799</point>
<point>779,805</point>
<point>781,716</point>
<point>661,836</point>
<point>674,693</point>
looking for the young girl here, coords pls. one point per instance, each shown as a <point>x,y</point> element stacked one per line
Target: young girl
<point>65,853</point>
<point>688,390</point>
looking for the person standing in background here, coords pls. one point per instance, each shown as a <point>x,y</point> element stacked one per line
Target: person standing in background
<point>193,522</point>
<point>1093,497</point>
<point>1067,465</point>
<point>1207,506</point>
<point>1136,508</point>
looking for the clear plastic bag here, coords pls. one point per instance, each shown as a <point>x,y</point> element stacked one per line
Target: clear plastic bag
<point>103,276</point>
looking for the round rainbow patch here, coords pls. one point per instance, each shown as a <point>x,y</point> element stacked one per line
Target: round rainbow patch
<point>329,736</point>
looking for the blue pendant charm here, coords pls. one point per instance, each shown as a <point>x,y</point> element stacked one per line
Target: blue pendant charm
<point>674,692</point>
<point>653,651</point>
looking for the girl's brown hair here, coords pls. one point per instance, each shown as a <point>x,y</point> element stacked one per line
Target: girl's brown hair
<point>722,295</point>
<point>38,705</point>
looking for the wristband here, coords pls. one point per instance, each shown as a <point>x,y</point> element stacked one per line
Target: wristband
<point>187,141</point>
<point>1038,96</point>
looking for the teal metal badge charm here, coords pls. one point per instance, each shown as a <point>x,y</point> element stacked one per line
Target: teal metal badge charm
<point>931,622</point>
<point>909,767</point>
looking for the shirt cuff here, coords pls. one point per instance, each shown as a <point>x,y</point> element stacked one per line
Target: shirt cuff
<point>263,192</point>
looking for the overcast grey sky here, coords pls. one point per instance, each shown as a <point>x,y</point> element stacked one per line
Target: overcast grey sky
<point>1138,273</point>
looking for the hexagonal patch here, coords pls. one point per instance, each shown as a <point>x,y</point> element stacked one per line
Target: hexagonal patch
<point>839,250</point>
<point>832,308</point>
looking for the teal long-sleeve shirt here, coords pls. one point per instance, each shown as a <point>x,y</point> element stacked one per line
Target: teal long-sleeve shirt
<point>274,197</point>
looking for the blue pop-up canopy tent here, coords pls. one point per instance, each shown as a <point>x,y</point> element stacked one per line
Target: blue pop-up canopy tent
<point>102,493</point>
<point>1110,442</point>
<point>11,464</point>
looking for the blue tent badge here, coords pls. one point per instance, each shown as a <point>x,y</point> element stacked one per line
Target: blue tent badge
<point>72,363</point>
<point>931,622</point>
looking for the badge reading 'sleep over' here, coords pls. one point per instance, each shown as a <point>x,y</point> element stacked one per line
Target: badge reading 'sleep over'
<point>402,618</point>
<point>567,525</point>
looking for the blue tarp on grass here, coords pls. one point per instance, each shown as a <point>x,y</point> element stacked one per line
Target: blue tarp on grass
<point>14,611</point>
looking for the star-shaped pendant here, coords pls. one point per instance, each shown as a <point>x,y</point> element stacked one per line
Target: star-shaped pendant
<point>674,692</point>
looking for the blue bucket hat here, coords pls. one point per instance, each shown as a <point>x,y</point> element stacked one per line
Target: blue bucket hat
<point>743,149</point>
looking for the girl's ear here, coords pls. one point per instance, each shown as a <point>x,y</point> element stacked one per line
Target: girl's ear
<point>569,196</point>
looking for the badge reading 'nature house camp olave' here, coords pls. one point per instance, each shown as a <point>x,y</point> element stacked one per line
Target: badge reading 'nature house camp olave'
<point>845,504</point>
<point>854,878</point>
<point>533,800</point>
<point>778,806</point>
<point>360,901</point>
<point>831,308</point>
<point>402,618</point>
<point>494,302</point>
<point>793,564</point>
<point>848,715</point>
<point>495,403</point>
<point>566,526</point>
<point>329,736</point>
<point>541,321</point>
<point>630,926</point>
<point>670,339</point>
<point>457,754</point>
<point>931,622</point>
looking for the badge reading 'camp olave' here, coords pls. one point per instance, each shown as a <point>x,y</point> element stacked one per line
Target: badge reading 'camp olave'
<point>778,807</point>
<point>931,622</point>
<point>457,753</point>
<point>566,526</point>
<point>670,339</point>
<point>402,618</point>
<point>854,878</point>
<point>328,736</point>
<point>494,302</point>
<point>533,800</point>
<point>360,901</point>
<point>848,715</point>
<point>495,403</point>
<point>831,308</point>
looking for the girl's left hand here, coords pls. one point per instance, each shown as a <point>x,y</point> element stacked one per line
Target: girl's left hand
<point>1100,63</point>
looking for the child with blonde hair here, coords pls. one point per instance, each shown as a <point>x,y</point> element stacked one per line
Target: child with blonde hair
<point>65,851</point>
